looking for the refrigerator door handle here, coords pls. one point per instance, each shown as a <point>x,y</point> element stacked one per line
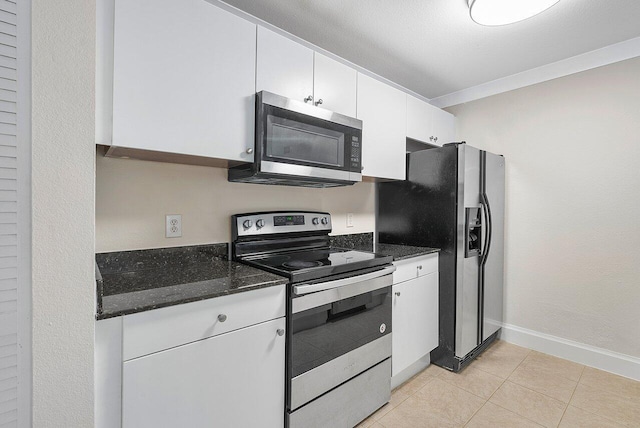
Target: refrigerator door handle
<point>487,225</point>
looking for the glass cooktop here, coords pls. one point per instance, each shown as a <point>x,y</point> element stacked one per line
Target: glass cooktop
<point>313,264</point>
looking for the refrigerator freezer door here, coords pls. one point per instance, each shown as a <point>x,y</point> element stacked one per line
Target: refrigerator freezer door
<point>494,266</point>
<point>467,292</point>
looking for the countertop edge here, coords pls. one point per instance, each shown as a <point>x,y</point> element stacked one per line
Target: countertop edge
<point>124,312</point>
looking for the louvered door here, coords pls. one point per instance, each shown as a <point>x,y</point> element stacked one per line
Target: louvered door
<point>8,216</point>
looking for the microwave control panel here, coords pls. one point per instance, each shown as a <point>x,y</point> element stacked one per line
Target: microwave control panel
<point>355,153</point>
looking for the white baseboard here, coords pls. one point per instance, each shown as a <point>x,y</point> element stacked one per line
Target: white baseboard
<point>603,359</point>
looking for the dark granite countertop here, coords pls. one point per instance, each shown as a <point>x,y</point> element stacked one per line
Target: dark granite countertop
<point>401,252</point>
<point>364,242</point>
<point>136,281</point>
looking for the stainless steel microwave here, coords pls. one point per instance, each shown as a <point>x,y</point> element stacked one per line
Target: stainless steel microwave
<point>299,144</point>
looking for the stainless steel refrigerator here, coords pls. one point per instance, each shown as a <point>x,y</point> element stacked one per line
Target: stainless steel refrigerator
<point>453,199</point>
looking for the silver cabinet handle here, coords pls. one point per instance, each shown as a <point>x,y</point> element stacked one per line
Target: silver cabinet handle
<point>249,150</point>
<point>398,293</point>
<point>309,98</point>
<point>280,332</point>
<point>222,317</point>
<point>319,101</point>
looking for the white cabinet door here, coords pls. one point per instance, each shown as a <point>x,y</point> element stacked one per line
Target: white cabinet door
<point>419,119</point>
<point>415,320</point>
<point>183,79</point>
<point>284,67</point>
<point>382,110</point>
<point>443,126</point>
<point>428,123</point>
<point>235,379</point>
<point>335,84</point>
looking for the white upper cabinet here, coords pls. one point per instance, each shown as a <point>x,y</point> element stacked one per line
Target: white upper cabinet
<point>183,79</point>
<point>443,126</point>
<point>284,67</point>
<point>334,85</point>
<point>382,110</point>
<point>428,123</point>
<point>294,71</point>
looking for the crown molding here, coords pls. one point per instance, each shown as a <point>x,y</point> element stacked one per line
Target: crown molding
<point>597,58</point>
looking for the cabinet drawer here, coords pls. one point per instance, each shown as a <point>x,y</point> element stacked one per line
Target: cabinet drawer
<point>152,331</point>
<point>415,267</point>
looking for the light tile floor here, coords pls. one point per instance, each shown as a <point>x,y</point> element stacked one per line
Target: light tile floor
<point>510,386</point>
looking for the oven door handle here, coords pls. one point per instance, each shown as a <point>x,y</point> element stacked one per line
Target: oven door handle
<point>311,288</point>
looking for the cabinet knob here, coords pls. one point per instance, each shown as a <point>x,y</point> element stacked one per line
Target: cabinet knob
<point>398,293</point>
<point>431,138</point>
<point>435,138</point>
<point>222,317</point>
<point>319,101</point>
<point>280,332</point>
<point>249,150</point>
<point>309,98</point>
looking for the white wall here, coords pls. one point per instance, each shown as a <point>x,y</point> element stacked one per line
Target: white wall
<point>133,197</point>
<point>63,94</point>
<point>572,147</point>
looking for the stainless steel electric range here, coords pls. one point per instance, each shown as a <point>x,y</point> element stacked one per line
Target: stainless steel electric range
<point>338,316</point>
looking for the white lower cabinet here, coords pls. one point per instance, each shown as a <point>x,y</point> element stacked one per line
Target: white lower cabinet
<point>234,379</point>
<point>415,311</point>
<point>217,362</point>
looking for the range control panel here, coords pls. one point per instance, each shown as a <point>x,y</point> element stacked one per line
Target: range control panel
<point>280,222</point>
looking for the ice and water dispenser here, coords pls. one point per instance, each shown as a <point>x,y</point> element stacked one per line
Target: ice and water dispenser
<point>473,231</point>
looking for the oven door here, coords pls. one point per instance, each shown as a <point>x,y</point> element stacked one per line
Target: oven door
<point>298,139</point>
<point>338,330</point>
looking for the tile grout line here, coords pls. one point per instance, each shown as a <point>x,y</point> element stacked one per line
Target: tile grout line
<point>587,410</point>
<point>408,395</point>
<point>503,382</point>
<point>562,359</point>
<point>492,394</point>
<point>546,395</point>
<point>572,393</point>
<point>507,379</point>
<point>516,413</point>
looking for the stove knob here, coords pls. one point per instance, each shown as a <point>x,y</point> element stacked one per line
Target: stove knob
<point>325,220</point>
<point>315,220</point>
<point>260,223</point>
<point>247,224</point>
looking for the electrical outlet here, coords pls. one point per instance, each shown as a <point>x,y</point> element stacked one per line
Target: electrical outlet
<point>349,219</point>
<point>174,226</point>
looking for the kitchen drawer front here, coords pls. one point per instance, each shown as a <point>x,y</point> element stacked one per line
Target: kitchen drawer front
<point>155,330</point>
<point>415,267</point>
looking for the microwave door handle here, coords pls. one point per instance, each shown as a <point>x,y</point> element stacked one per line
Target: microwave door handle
<point>311,288</point>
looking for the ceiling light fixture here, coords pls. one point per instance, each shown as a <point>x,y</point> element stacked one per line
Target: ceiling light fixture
<point>502,12</point>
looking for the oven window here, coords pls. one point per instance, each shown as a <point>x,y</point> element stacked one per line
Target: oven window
<point>323,333</point>
<point>292,140</point>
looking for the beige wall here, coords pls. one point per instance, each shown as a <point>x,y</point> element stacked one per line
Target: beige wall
<point>63,279</point>
<point>133,197</point>
<point>572,147</point>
